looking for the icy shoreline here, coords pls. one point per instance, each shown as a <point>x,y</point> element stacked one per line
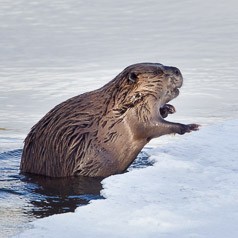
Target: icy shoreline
<point>191,191</point>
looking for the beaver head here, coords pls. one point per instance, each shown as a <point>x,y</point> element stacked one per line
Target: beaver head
<point>148,86</point>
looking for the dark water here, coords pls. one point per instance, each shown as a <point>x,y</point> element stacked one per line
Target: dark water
<point>24,198</point>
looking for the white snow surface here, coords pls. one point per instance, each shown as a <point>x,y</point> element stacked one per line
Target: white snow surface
<point>190,192</point>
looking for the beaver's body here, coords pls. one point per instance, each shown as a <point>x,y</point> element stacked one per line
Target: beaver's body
<point>100,133</point>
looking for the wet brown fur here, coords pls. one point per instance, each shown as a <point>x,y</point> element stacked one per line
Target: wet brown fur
<point>100,133</point>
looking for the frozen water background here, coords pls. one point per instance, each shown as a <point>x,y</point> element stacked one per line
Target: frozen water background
<point>53,50</point>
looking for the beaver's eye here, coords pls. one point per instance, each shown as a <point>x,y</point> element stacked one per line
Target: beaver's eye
<point>177,73</point>
<point>132,78</point>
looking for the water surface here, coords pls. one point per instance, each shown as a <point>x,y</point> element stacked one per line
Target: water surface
<point>26,197</point>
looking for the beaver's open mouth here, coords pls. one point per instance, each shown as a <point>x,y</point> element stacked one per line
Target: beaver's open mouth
<point>166,109</point>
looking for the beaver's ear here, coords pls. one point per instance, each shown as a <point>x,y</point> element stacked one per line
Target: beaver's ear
<point>132,78</point>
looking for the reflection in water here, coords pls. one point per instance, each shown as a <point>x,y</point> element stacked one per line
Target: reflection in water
<point>44,196</point>
<point>52,196</point>
<point>26,197</point>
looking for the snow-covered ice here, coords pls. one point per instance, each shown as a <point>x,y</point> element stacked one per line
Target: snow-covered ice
<point>190,192</point>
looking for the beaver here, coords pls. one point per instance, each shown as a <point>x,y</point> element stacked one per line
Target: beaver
<point>100,133</point>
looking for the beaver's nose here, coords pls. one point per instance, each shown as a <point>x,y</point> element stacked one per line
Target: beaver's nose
<point>175,74</point>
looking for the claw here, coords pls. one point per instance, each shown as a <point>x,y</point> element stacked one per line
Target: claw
<point>194,127</point>
<point>189,128</point>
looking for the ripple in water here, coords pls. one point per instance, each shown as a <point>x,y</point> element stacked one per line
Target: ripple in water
<point>25,198</point>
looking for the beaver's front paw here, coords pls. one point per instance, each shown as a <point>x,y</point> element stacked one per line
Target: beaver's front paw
<point>188,128</point>
<point>166,110</point>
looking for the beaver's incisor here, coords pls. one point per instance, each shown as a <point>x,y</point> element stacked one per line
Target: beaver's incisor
<point>100,133</point>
